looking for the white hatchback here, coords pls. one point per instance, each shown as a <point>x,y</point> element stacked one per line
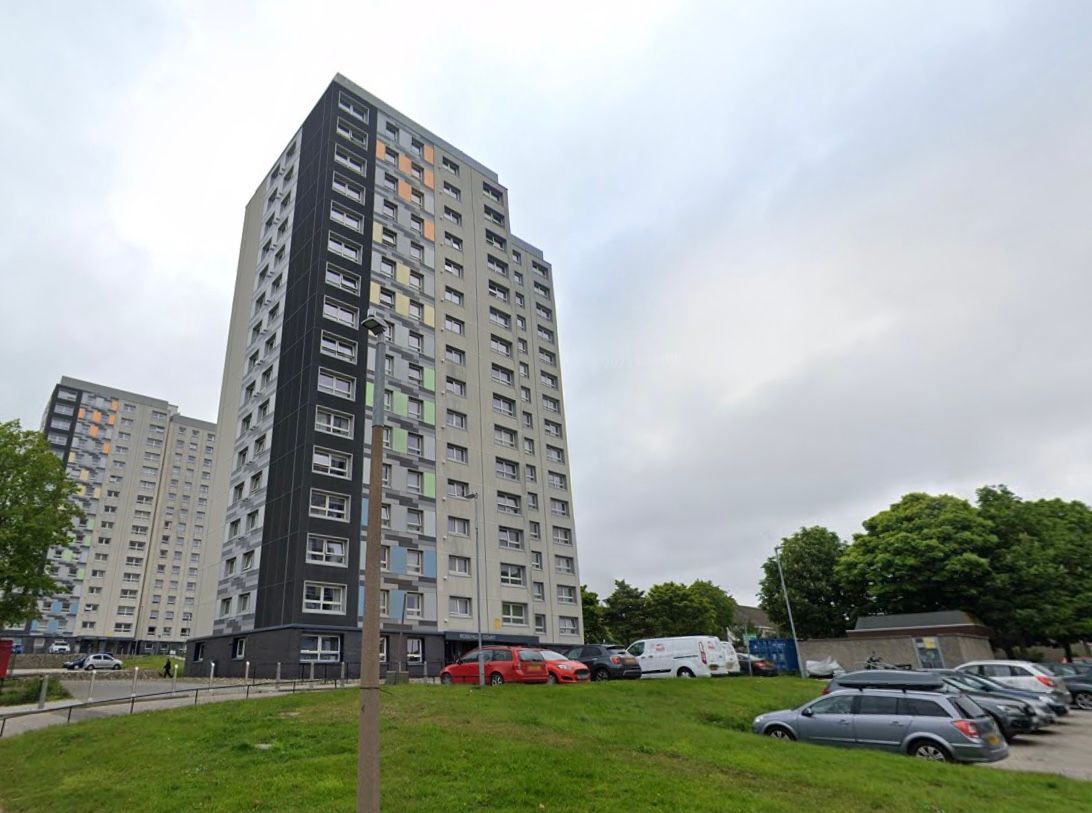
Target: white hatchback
<point>1018,674</point>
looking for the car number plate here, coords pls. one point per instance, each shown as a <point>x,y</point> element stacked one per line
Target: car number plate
<point>993,739</point>
<point>534,667</point>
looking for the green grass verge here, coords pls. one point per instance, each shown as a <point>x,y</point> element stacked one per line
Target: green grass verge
<point>18,691</point>
<point>152,663</point>
<point>643,746</point>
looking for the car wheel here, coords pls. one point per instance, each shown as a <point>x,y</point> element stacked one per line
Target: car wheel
<point>89,668</point>
<point>116,666</point>
<point>685,673</point>
<point>1083,700</point>
<point>779,733</point>
<point>930,751</point>
<point>446,679</point>
<point>551,679</point>
<point>601,674</point>
<point>496,679</point>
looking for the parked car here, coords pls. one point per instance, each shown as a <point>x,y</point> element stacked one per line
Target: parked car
<point>503,664</point>
<point>561,669</point>
<point>685,656</point>
<point>17,648</point>
<point>99,660</point>
<point>924,724</point>
<point>1045,703</point>
<point>606,661</point>
<point>59,648</point>
<point>1077,683</point>
<point>1012,716</point>
<point>755,666</point>
<point>1019,675</point>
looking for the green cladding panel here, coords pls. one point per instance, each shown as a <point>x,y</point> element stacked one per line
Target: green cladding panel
<point>430,413</point>
<point>430,379</point>
<point>400,440</point>
<point>369,393</point>
<point>401,404</point>
<point>430,485</point>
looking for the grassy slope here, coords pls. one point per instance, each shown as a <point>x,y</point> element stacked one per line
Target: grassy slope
<point>644,746</point>
<point>27,690</point>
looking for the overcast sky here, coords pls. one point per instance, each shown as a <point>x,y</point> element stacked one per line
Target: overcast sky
<point>808,256</point>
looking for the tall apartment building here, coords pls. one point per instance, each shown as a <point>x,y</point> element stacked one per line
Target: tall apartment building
<point>144,476</point>
<point>365,208</point>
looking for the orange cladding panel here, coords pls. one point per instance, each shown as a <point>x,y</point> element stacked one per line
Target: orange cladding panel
<point>96,416</point>
<point>430,230</point>
<point>430,180</point>
<point>380,150</point>
<point>403,190</point>
<point>430,154</point>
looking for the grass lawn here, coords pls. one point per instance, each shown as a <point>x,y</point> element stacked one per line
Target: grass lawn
<point>18,691</point>
<point>673,746</point>
<point>152,663</point>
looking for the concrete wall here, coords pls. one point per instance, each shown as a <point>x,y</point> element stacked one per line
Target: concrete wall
<point>852,653</point>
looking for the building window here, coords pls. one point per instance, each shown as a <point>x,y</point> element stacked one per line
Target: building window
<point>507,469</point>
<point>452,190</point>
<point>415,650</point>
<point>562,536</point>
<point>244,603</point>
<point>505,406</point>
<point>504,437</point>
<point>536,559</point>
<point>453,296</point>
<point>338,347</point>
<point>333,423</point>
<point>568,625</point>
<point>514,615</point>
<point>502,375</point>
<point>457,526</point>
<point>328,505</point>
<point>454,325</point>
<point>331,463</point>
<point>507,503</point>
<point>322,648</point>
<point>415,521</point>
<point>327,550</point>
<point>344,248</point>
<point>564,564</point>
<point>453,267</point>
<point>566,594</point>
<point>454,355</point>
<point>238,648</point>
<point>450,165</point>
<point>457,488</point>
<point>540,623</point>
<point>415,605</point>
<point>455,419</point>
<point>339,312</point>
<point>321,597</point>
<point>538,591</point>
<point>457,454</point>
<point>334,384</point>
<point>415,562</point>
<point>459,606</point>
<point>458,565</point>
<point>455,386</point>
<point>512,575</point>
<point>510,538</point>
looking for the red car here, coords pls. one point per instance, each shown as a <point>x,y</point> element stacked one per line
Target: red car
<point>563,670</point>
<point>503,664</point>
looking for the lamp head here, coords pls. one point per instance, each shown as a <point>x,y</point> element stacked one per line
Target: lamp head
<point>374,323</point>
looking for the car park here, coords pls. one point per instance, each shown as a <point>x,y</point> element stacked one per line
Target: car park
<point>754,666</point>
<point>502,664</point>
<point>684,656</point>
<point>98,660</point>
<point>1077,683</point>
<point>561,669</point>
<point>1011,715</point>
<point>606,661</point>
<point>924,724</point>
<point>1045,703</point>
<point>1020,675</point>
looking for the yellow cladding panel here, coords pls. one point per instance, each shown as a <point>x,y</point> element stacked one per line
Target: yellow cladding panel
<point>96,416</point>
<point>430,154</point>
<point>404,164</point>
<point>85,475</point>
<point>380,150</point>
<point>430,179</point>
<point>110,420</point>
<point>82,412</point>
<point>373,295</point>
<point>93,431</point>
<point>106,447</point>
<point>430,230</point>
<point>430,316</point>
<point>401,304</point>
<point>401,273</point>
<point>377,232</point>
<point>403,190</point>
<point>115,405</point>
<point>98,492</point>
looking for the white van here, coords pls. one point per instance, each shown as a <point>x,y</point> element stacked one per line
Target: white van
<point>688,656</point>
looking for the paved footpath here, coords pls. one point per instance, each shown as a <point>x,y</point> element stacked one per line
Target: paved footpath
<point>58,710</point>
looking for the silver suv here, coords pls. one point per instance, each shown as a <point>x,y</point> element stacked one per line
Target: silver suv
<point>929,725</point>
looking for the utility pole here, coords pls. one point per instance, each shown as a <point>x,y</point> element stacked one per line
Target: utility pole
<point>788,607</point>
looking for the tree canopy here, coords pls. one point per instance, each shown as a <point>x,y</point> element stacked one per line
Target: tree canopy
<point>36,514</point>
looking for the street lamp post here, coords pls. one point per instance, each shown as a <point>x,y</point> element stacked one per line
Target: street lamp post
<point>478,588</point>
<point>367,773</point>
<point>788,607</point>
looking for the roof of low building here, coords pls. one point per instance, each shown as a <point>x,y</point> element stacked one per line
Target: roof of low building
<point>940,618</point>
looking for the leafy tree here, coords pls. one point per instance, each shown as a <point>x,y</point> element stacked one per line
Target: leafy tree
<point>821,607</point>
<point>924,553</point>
<point>673,609</point>
<point>36,514</point>
<point>724,607</point>
<point>595,631</point>
<point>624,612</point>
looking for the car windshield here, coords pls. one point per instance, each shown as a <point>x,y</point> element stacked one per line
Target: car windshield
<point>531,655</point>
<point>968,707</point>
<point>617,650</point>
<point>983,682</point>
<point>550,655</point>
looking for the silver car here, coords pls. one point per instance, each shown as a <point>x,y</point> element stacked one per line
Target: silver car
<point>929,725</point>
